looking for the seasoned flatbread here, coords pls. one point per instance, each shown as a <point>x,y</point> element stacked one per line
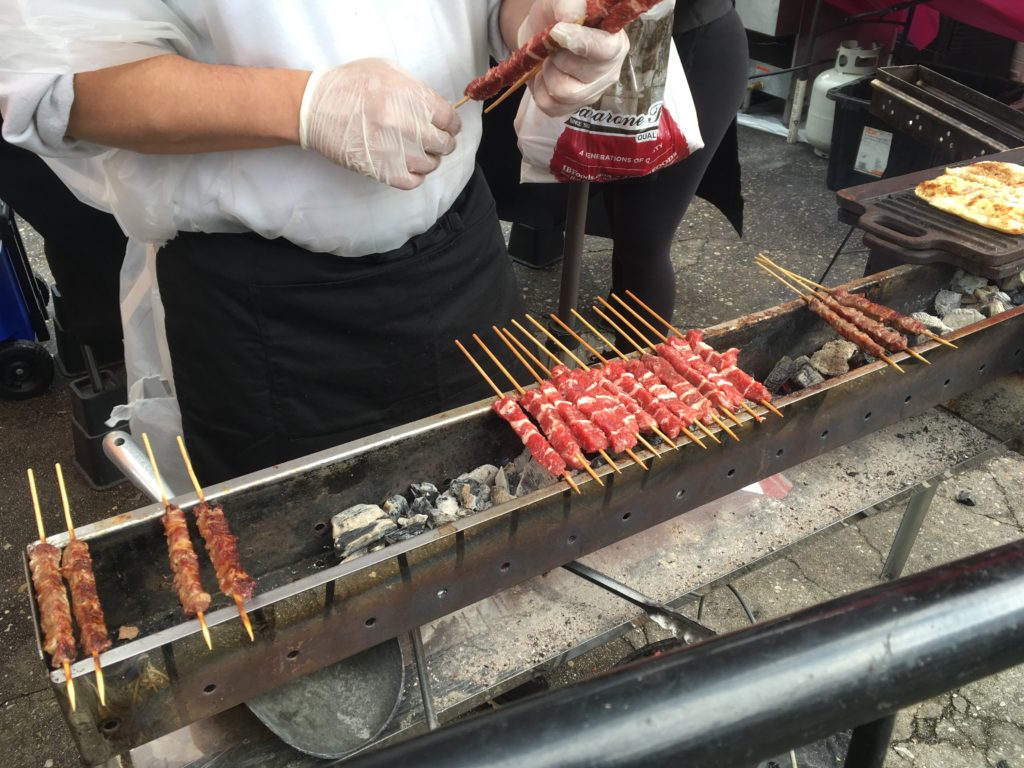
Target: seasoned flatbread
<point>992,174</point>
<point>988,193</point>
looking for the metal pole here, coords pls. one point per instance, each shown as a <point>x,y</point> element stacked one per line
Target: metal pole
<point>421,674</point>
<point>754,693</point>
<point>572,257</point>
<point>910,526</point>
<point>869,744</point>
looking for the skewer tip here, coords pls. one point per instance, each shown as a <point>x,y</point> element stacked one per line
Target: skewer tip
<point>245,618</point>
<point>101,686</point>
<point>205,629</point>
<point>637,459</point>
<point>70,685</point>
<point>772,408</point>
<point>571,483</point>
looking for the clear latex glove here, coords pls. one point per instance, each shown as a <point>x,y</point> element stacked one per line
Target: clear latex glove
<point>589,63</point>
<point>374,118</point>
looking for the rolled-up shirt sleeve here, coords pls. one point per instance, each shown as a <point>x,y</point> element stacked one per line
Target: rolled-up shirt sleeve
<point>499,51</point>
<point>43,43</point>
<point>36,109</point>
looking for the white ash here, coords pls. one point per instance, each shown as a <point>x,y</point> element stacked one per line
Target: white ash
<point>946,302</point>
<point>412,522</point>
<point>833,359</point>
<point>446,510</point>
<point>359,527</point>
<point>959,318</point>
<point>931,322</point>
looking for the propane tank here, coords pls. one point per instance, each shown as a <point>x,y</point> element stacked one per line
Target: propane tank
<point>852,62</point>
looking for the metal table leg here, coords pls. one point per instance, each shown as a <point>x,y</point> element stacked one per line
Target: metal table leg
<point>910,526</point>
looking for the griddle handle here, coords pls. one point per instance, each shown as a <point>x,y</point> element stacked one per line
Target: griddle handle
<point>888,227</point>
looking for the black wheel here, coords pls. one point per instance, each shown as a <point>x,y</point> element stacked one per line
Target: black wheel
<point>26,370</point>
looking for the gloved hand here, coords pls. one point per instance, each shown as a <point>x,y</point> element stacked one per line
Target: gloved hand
<point>589,63</point>
<point>373,117</point>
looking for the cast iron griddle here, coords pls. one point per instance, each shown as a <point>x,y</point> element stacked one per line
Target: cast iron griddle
<point>909,223</point>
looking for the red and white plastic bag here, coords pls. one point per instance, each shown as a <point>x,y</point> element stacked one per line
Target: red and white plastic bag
<point>644,122</point>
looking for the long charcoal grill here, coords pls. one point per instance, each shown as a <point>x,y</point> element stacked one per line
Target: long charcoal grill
<point>310,612</point>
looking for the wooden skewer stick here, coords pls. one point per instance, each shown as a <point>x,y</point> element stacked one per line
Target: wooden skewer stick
<point>167,506</point>
<point>655,315</point>
<point>640,318</point>
<point>602,453</point>
<point>580,457</point>
<point>654,428</point>
<point>807,299</point>
<point>629,452</point>
<point>611,346</point>
<point>806,282</point>
<point>604,339</point>
<point>515,87</point>
<point>523,349</point>
<point>618,314</point>
<point>625,322</point>
<point>101,686</point>
<point>242,613</point>
<point>69,684</point>
<point>762,259</point>
<point>641,350</point>
<point>681,335</point>
<point>524,79</point>
<point>460,102</point>
<point>500,394</point>
<point>653,347</point>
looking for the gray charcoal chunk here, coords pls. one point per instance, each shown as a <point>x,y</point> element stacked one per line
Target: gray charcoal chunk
<point>1018,298</point>
<point>959,318</point>
<point>931,322</point>
<point>964,282</point>
<point>1003,296</point>
<point>396,506</point>
<point>807,376</point>
<point>534,477</point>
<point>428,491</point>
<point>359,527</point>
<point>781,373</point>
<point>985,293</point>
<point>484,474</point>
<point>447,510</point>
<point>1013,283</point>
<point>833,359</point>
<point>422,506</point>
<point>946,302</point>
<point>471,495</point>
<point>994,307</point>
<point>414,521</point>
<point>401,534</point>
<point>967,497</point>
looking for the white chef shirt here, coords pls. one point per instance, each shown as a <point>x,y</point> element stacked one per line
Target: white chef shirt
<point>281,192</point>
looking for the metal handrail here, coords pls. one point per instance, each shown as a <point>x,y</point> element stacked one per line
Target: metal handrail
<point>751,694</point>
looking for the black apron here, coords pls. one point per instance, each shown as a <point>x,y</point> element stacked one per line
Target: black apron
<point>278,352</point>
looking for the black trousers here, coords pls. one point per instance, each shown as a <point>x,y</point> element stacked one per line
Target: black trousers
<point>278,352</point>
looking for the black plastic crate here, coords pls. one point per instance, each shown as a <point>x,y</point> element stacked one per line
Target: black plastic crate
<point>852,116</point>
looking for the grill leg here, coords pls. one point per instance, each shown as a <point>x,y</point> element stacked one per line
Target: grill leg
<point>910,526</point>
<point>869,744</point>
